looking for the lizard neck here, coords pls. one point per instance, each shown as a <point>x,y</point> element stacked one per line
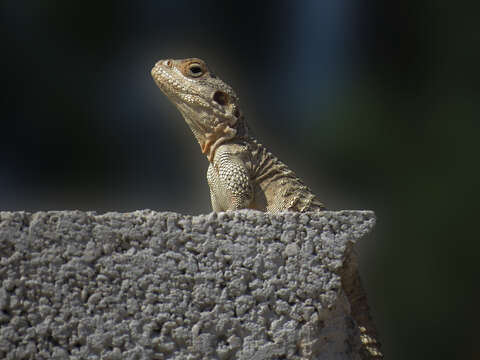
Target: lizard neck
<point>211,138</point>
<point>221,134</point>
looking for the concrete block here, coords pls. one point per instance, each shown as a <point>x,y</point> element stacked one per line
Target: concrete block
<point>161,285</point>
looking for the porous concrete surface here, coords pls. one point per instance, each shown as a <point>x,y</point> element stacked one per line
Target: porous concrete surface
<point>161,285</point>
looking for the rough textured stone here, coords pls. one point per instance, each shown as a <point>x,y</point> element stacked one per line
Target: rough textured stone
<point>149,285</point>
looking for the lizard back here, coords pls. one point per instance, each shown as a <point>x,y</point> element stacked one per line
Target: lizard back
<point>276,187</point>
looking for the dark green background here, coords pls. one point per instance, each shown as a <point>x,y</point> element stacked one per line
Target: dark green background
<point>374,104</point>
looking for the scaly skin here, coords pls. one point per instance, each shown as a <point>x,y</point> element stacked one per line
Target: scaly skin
<point>242,173</point>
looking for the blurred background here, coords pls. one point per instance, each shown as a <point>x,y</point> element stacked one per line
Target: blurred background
<point>375,106</point>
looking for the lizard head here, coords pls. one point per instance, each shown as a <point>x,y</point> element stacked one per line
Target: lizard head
<point>210,106</point>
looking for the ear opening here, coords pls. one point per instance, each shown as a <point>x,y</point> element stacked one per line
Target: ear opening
<point>220,97</point>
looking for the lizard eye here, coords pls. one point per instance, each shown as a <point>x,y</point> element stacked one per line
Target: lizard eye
<point>195,70</point>
<point>220,97</point>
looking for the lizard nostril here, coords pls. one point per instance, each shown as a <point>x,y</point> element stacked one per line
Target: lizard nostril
<point>220,97</point>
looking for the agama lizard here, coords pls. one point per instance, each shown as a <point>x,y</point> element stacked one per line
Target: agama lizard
<point>242,173</point>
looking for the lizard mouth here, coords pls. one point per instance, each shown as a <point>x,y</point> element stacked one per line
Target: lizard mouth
<point>165,81</point>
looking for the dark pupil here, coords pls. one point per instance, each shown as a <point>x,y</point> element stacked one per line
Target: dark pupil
<point>195,69</point>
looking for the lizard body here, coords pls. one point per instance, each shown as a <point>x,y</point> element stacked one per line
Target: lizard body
<point>242,173</point>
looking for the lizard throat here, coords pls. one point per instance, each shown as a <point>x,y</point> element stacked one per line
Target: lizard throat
<point>209,133</point>
<point>212,140</point>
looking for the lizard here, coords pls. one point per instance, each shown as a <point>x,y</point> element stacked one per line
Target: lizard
<point>242,173</point>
